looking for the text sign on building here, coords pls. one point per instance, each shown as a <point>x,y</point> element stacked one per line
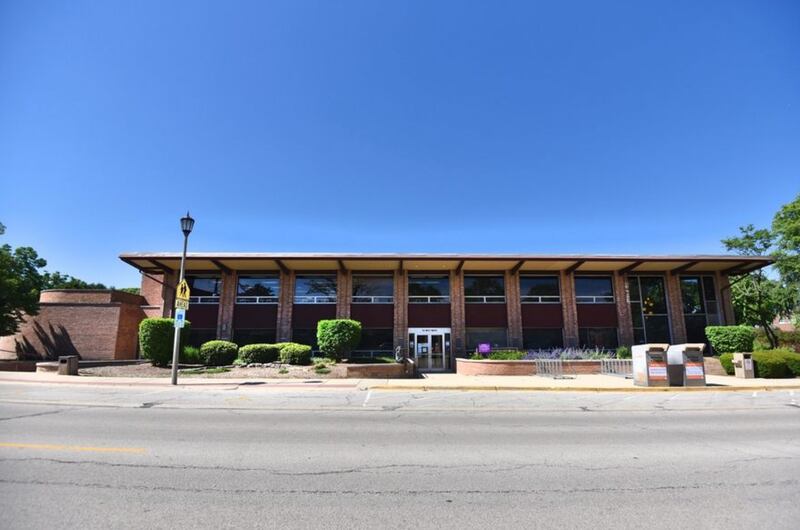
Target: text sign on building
<point>484,347</point>
<point>182,293</point>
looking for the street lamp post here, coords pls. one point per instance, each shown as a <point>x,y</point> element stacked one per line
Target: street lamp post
<point>187,223</point>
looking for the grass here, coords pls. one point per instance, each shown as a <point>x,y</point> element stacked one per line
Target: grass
<point>200,371</point>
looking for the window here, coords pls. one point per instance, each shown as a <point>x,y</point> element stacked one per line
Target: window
<point>242,337</point>
<point>258,290</point>
<point>305,336</point>
<point>199,336</point>
<point>594,290</point>
<point>542,338</point>
<point>648,302</point>
<point>497,337</point>
<point>315,290</point>
<point>373,290</point>
<point>484,290</point>
<point>204,289</point>
<point>700,307</point>
<point>539,290</point>
<point>605,338</point>
<point>376,340</point>
<point>428,290</point>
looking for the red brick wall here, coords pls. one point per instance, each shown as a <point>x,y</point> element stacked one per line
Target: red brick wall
<point>373,315</point>
<point>429,315</point>
<point>486,315</point>
<point>597,315</point>
<point>542,316</point>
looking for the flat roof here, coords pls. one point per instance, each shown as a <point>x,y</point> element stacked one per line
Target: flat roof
<point>254,262</point>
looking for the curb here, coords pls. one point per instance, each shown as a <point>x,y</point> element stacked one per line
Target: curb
<point>583,389</point>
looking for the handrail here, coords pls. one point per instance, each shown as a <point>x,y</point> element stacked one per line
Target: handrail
<point>531,299</point>
<point>429,299</point>
<point>594,299</point>
<point>489,299</point>
<point>256,299</point>
<point>358,299</point>
<point>314,299</point>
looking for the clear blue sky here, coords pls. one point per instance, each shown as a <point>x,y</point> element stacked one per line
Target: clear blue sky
<point>605,127</point>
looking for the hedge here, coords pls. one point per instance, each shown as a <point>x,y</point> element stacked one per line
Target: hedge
<point>259,353</point>
<point>770,364</point>
<point>293,353</point>
<point>338,337</point>
<point>219,352</point>
<point>731,339</point>
<point>156,337</point>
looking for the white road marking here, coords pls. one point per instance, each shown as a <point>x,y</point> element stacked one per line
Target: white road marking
<point>369,393</point>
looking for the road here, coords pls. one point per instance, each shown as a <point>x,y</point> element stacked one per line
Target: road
<point>90,457</point>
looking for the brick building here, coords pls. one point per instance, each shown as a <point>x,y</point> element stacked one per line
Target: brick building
<point>441,306</point>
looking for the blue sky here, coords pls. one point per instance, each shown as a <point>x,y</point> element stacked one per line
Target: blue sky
<point>542,127</point>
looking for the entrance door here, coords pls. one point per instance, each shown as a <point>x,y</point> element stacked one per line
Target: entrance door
<point>430,348</point>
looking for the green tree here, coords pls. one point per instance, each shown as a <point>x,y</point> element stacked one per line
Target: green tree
<point>758,299</point>
<point>20,282</point>
<point>56,280</point>
<point>786,231</point>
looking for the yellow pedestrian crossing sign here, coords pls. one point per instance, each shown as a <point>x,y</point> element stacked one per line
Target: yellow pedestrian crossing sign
<point>182,295</point>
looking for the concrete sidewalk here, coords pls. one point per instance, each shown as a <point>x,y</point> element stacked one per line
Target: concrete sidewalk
<point>430,382</point>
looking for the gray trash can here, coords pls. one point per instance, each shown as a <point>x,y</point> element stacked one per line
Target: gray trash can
<point>685,365</point>
<point>650,364</point>
<point>68,365</point>
<point>743,365</point>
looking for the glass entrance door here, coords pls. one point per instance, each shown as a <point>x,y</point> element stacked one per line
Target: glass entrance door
<point>430,348</point>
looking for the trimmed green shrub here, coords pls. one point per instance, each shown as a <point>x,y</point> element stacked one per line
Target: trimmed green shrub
<point>731,339</point>
<point>623,352</point>
<point>506,355</point>
<point>293,353</point>
<point>156,336</point>
<point>219,352</point>
<point>726,360</point>
<point>338,337</point>
<point>259,353</point>
<point>191,355</point>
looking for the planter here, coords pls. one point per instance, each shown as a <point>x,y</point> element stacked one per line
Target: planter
<point>487,367</point>
<point>374,371</point>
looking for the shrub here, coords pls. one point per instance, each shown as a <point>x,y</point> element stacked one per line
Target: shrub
<point>191,355</point>
<point>769,364</point>
<point>506,355</point>
<point>731,339</point>
<point>259,353</point>
<point>218,352</point>
<point>293,353</point>
<point>156,336</point>
<point>338,337</point>
<point>726,360</point>
<point>623,352</point>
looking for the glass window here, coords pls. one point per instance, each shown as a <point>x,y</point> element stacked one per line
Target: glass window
<point>539,289</point>
<point>243,337</point>
<point>305,336</point>
<point>700,307</point>
<point>542,338</point>
<point>380,340</point>
<point>315,290</point>
<point>484,289</point>
<point>428,289</point>
<point>648,303</point>
<point>258,290</point>
<point>594,290</point>
<point>204,289</point>
<point>605,338</point>
<point>373,289</point>
<point>497,337</point>
<point>691,295</point>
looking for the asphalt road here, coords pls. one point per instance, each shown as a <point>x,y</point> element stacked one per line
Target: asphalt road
<point>246,457</point>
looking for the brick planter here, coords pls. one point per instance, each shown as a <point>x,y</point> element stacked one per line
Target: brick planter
<point>487,367</point>
<point>374,371</point>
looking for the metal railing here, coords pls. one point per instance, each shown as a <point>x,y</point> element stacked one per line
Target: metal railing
<point>491,299</point>
<point>256,299</point>
<point>314,299</point>
<point>619,367</point>
<point>529,299</point>
<point>373,299</point>
<point>429,299</point>
<point>204,299</point>
<point>594,299</point>
<point>550,368</point>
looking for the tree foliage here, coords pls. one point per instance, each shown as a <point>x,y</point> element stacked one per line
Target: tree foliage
<point>20,281</point>
<point>786,233</point>
<point>56,280</point>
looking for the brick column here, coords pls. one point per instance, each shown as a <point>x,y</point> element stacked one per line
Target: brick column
<point>624,319</point>
<point>569,309</point>
<point>400,309</point>
<point>675,307</point>
<point>285,304</point>
<point>458,332</point>
<point>158,291</point>
<point>723,285</point>
<point>513,310</point>
<point>343,290</point>
<point>227,299</point>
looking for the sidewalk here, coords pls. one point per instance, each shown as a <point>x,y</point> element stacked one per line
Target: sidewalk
<point>431,382</point>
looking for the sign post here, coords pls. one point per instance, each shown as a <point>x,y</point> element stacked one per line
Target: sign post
<point>182,293</point>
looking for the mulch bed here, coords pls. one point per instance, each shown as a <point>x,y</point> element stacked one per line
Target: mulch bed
<point>237,372</point>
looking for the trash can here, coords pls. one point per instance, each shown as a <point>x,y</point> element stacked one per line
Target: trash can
<point>743,365</point>
<point>686,366</point>
<point>650,364</point>
<point>68,365</point>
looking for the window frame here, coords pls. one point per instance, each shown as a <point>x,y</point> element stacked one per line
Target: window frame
<point>540,299</point>
<point>489,298</point>
<point>430,299</point>
<point>204,300</point>
<point>315,299</point>
<point>586,299</point>
<point>260,300</point>
<point>366,299</point>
